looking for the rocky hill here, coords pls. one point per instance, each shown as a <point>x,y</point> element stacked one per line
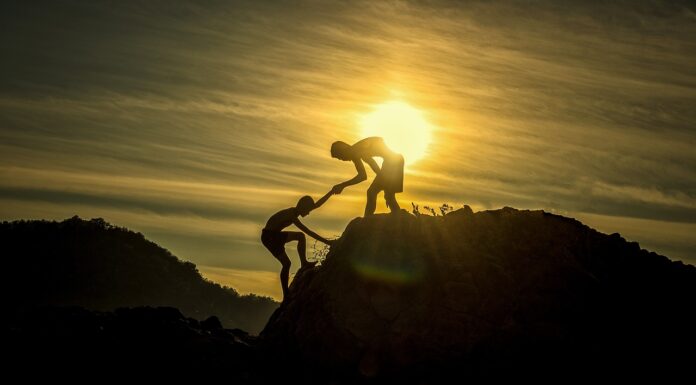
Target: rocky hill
<point>501,294</point>
<point>493,294</point>
<point>98,266</point>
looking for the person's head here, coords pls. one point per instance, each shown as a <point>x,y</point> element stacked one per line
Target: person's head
<point>305,205</point>
<point>341,150</point>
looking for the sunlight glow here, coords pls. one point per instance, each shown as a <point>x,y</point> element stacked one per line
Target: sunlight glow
<point>402,126</point>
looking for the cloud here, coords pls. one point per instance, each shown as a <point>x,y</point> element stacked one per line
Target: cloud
<point>195,121</point>
<point>644,195</point>
<point>672,239</point>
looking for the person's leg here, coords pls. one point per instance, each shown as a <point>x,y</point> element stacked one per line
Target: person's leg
<point>372,192</point>
<point>390,198</point>
<point>285,271</point>
<point>301,246</point>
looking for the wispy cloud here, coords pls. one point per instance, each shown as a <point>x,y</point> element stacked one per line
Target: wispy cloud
<point>194,122</point>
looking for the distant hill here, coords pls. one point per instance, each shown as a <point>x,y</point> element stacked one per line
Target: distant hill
<point>93,264</point>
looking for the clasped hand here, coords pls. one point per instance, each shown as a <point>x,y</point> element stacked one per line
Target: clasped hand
<point>337,189</point>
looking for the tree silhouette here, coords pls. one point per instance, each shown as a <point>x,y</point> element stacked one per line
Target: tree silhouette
<point>94,264</point>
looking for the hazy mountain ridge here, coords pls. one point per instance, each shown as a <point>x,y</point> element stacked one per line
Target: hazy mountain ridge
<point>102,267</point>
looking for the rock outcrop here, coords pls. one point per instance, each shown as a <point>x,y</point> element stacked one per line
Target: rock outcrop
<point>502,293</point>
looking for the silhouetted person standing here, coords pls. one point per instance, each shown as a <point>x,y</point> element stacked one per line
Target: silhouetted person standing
<point>390,178</point>
<point>275,239</point>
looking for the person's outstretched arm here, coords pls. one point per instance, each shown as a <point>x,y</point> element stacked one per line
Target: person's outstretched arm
<point>323,200</point>
<point>309,232</point>
<point>362,175</point>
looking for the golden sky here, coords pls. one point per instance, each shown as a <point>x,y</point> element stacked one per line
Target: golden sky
<point>193,122</point>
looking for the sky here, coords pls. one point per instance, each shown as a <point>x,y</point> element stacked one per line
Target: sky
<point>193,122</point>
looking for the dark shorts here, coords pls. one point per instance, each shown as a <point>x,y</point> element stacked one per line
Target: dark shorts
<point>274,241</point>
<point>391,178</point>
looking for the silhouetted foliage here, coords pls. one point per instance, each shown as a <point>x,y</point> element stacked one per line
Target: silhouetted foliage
<point>320,250</point>
<point>444,209</point>
<point>94,264</point>
<point>416,209</point>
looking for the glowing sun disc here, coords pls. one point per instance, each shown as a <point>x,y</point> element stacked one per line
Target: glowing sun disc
<point>402,126</point>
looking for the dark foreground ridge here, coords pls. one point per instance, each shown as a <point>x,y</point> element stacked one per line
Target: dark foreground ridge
<point>73,342</point>
<point>399,298</point>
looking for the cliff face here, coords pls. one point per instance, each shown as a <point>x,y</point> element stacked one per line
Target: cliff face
<point>487,294</point>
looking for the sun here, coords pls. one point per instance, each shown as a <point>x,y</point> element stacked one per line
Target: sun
<point>402,126</point>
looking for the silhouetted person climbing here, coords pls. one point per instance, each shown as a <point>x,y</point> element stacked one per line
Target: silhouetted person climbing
<point>390,178</point>
<point>275,239</point>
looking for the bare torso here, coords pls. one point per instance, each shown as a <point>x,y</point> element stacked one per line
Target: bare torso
<point>281,219</point>
<point>371,147</point>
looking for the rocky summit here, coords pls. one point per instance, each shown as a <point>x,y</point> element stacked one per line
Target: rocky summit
<point>492,294</point>
<point>500,294</point>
